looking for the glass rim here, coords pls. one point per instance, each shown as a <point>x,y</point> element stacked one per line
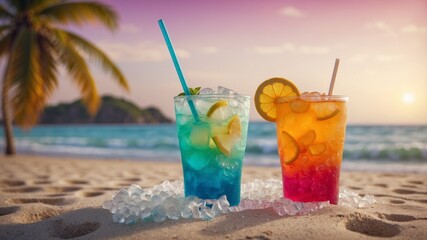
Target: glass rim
<point>323,98</point>
<point>227,96</point>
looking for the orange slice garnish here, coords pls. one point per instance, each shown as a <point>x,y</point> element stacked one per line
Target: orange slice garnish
<point>290,148</point>
<point>268,92</point>
<point>325,110</point>
<point>307,138</point>
<point>317,149</point>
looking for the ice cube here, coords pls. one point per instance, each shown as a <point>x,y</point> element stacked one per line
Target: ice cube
<point>203,105</point>
<point>198,159</point>
<point>352,199</point>
<point>223,203</point>
<point>362,203</point>
<point>158,213</point>
<point>134,210</point>
<point>234,209</point>
<point>177,187</point>
<point>114,209</point>
<point>311,96</point>
<point>279,209</point>
<point>164,194</point>
<point>171,204</point>
<point>135,189</point>
<point>195,210</point>
<point>200,136</point>
<point>165,186</point>
<point>225,91</point>
<point>121,196</point>
<point>166,200</point>
<point>315,96</point>
<point>155,201</point>
<point>370,198</point>
<point>182,107</point>
<point>204,91</point>
<point>305,95</point>
<point>186,212</point>
<point>145,213</point>
<point>206,213</point>
<point>121,206</point>
<point>119,218</point>
<point>131,219</point>
<point>216,208</point>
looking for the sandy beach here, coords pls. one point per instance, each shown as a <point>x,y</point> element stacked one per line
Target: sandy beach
<point>61,198</point>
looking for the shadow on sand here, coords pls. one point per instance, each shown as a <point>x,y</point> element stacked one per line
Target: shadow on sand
<point>97,223</point>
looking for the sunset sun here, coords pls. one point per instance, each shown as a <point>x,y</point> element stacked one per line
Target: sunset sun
<point>408,98</point>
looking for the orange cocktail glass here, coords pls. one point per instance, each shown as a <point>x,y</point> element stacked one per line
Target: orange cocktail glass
<point>311,133</point>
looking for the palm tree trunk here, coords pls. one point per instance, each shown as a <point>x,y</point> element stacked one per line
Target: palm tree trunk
<point>7,120</point>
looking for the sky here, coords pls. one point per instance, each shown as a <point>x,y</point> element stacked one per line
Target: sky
<point>382,45</point>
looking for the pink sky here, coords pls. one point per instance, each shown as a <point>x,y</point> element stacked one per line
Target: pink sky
<point>382,45</point>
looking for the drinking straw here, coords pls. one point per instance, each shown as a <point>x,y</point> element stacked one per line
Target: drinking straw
<point>334,75</point>
<point>178,69</point>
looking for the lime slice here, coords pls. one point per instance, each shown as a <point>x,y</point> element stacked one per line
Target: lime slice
<point>317,149</point>
<point>299,106</point>
<point>225,142</point>
<point>307,138</point>
<point>218,110</point>
<point>290,148</point>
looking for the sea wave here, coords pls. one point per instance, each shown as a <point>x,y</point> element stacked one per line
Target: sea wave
<point>372,143</point>
<point>383,152</point>
<point>131,148</point>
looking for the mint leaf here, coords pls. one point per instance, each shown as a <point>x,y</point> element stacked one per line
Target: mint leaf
<point>193,91</point>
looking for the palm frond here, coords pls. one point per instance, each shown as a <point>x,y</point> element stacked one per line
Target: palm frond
<point>39,5</point>
<point>21,5</point>
<point>99,56</point>
<point>77,67</point>
<point>5,13</point>
<point>18,5</point>
<point>48,65</point>
<point>4,29</point>
<point>24,77</point>
<point>81,12</point>
<point>5,43</point>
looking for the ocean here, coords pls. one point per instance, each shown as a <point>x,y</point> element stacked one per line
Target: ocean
<point>367,148</point>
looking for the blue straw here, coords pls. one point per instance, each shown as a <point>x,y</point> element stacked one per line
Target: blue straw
<point>178,69</point>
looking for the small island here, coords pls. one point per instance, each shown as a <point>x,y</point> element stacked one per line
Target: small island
<point>112,111</point>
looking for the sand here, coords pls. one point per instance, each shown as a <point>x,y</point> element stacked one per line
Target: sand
<point>61,198</point>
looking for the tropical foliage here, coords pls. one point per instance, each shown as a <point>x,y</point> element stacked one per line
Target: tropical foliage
<point>34,43</point>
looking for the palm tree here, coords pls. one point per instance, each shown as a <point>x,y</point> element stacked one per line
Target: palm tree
<point>33,45</point>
